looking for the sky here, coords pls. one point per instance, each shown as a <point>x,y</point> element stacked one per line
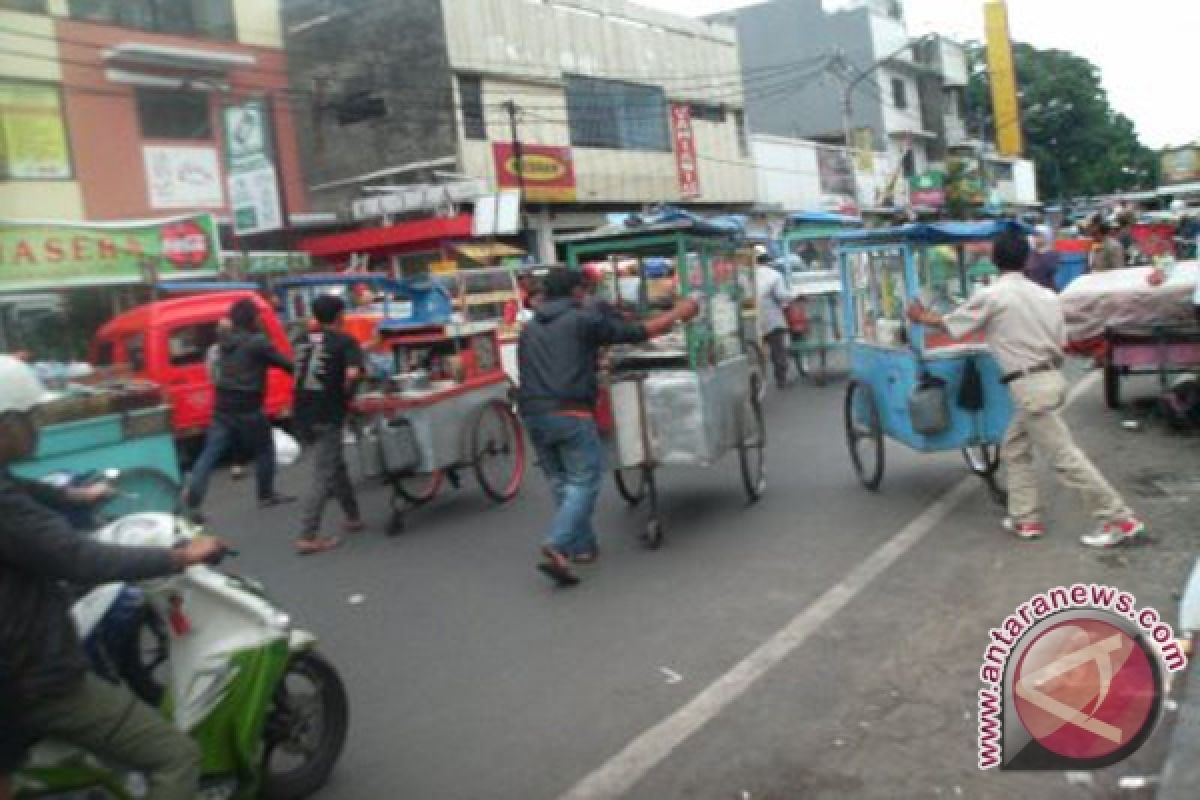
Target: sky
<point>1144,48</point>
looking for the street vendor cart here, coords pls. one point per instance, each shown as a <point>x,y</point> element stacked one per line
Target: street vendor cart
<point>689,397</point>
<point>810,267</point>
<point>914,385</point>
<point>440,406</point>
<point>372,299</point>
<point>1132,323</point>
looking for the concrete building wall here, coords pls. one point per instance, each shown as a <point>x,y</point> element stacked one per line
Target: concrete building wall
<point>395,51</point>
<point>524,51</point>
<point>788,175</point>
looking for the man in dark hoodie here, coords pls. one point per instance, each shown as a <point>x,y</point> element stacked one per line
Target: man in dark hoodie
<point>244,356</point>
<point>46,690</point>
<point>557,355</point>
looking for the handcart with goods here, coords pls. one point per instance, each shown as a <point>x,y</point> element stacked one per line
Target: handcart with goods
<point>372,300</point>
<point>690,397</point>
<point>1136,321</point>
<point>915,385</point>
<point>438,404</point>
<point>810,267</point>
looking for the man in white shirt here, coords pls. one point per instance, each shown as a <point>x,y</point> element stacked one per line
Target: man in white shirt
<point>773,297</point>
<point>1024,327</point>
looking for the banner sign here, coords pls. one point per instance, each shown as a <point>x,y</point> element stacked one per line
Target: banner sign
<point>1003,76</point>
<point>686,166</point>
<point>183,177</point>
<point>33,139</point>
<point>548,171</point>
<point>254,200</point>
<point>835,172</point>
<point>55,255</point>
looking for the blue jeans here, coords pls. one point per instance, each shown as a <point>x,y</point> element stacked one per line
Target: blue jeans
<point>571,455</point>
<point>252,432</point>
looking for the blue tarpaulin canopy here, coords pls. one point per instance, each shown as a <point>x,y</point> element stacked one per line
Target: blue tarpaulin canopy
<point>822,218</point>
<point>932,232</point>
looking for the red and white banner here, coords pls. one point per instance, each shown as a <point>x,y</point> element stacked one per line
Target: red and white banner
<point>686,166</point>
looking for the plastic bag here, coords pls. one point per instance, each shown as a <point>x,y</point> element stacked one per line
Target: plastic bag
<point>287,449</point>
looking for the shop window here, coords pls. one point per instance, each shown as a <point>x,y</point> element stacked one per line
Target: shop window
<point>899,94</point>
<point>909,163</point>
<point>188,345</point>
<point>470,90</point>
<point>174,114</point>
<point>1002,171</point>
<point>708,113</point>
<point>33,136</point>
<point>616,115</point>
<point>208,18</point>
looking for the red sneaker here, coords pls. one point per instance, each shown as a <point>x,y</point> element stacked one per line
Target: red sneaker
<point>1024,530</point>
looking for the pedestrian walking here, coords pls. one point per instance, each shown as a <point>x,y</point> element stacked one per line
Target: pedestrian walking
<point>1043,261</point>
<point>773,297</point>
<point>245,355</point>
<point>557,352</point>
<point>1024,327</point>
<point>1107,251</point>
<point>329,364</point>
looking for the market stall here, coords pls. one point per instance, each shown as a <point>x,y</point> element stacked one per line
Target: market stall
<point>689,397</point>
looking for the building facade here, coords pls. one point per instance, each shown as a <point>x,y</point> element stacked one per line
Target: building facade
<point>615,106</point>
<point>113,110</point>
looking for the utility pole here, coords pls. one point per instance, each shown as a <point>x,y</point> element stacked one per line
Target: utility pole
<point>511,107</point>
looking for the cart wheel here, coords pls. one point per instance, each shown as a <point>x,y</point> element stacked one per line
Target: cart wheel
<point>864,434</point>
<point>758,366</point>
<point>1112,383</point>
<point>498,451</point>
<point>653,537</point>
<point>631,484</point>
<point>419,488</point>
<point>752,442</point>
<point>982,459</point>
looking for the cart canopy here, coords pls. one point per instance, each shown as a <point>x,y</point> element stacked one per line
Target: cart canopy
<point>668,220</point>
<point>932,232</point>
<point>822,218</point>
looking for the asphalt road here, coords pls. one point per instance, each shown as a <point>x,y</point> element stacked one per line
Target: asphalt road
<point>470,677</point>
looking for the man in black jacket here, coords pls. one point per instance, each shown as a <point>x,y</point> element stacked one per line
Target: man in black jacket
<point>46,690</point>
<point>557,355</point>
<point>245,354</point>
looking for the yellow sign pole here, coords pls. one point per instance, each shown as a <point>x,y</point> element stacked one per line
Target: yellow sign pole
<point>1003,76</point>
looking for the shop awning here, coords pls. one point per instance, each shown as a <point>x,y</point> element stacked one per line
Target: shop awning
<point>403,237</point>
<point>483,252</point>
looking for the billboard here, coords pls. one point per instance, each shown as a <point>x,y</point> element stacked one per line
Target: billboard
<point>548,171</point>
<point>1180,165</point>
<point>254,198</point>
<point>55,255</point>
<point>33,139</point>
<point>1003,75</point>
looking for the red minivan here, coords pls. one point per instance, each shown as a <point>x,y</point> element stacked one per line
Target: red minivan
<point>167,342</point>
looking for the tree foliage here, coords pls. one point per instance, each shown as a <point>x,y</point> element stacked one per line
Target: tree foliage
<point>1081,145</point>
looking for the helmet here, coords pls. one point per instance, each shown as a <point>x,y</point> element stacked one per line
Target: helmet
<point>20,389</point>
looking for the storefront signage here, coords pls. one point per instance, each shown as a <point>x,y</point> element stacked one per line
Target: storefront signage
<point>262,262</point>
<point>548,172</point>
<point>254,199</point>
<point>928,189</point>
<point>33,139</point>
<point>686,166</point>
<point>183,177</point>
<point>1181,165</point>
<point>52,255</point>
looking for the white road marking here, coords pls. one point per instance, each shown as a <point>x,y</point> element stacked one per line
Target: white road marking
<point>671,675</point>
<point>617,776</point>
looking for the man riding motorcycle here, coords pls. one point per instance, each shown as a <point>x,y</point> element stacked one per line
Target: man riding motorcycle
<point>46,690</point>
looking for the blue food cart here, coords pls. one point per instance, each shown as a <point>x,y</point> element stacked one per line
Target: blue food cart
<point>810,267</point>
<point>910,383</point>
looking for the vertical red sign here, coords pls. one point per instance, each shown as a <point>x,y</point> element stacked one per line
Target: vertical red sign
<point>686,166</point>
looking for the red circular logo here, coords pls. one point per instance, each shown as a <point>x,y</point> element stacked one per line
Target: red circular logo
<point>1086,689</point>
<point>185,244</point>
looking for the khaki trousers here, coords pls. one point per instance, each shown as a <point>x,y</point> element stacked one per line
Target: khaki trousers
<point>109,722</point>
<point>1036,424</point>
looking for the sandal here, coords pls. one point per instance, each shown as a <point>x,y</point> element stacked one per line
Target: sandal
<point>318,544</point>
<point>557,568</point>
